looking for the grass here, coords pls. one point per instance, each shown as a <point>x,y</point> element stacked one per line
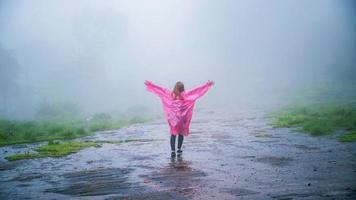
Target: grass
<point>54,149</point>
<point>59,149</point>
<point>21,156</point>
<point>320,119</point>
<point>16,132</point>
<point>350,137</point>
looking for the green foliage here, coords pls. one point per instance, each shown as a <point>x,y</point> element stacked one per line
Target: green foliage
<point>101,117</point>
<point>104,121</point>
<point>22,156</point>
<point>318,119</point>
<point>54,149</point>
<point>57,111</point>
<point>138,119</point>
<point>350,137</point>
<point>63,148</point>
<point>14,132</point>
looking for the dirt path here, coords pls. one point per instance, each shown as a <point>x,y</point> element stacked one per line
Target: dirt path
<point>235,156</point>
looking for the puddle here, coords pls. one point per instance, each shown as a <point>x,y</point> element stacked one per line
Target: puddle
<point>161,195</point>
<point>178,176</point>
<point>8,165</point>
<point>238,191</point>
<point>274,161</point>
<point>96,182</point>
<point>304,147</point>
<point>27,177</point>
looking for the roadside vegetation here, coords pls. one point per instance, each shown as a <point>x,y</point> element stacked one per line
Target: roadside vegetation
<point>59,124</point>
<point>54,149</point>
<point>16,132</point>
<point>321,114</point>
<point>62,122</point>
<point>63,148</point>
<point>320,120</point>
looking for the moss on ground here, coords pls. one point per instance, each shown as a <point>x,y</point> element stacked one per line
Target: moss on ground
<point>54,149</point>
<point>21,156</point>
<point>319,119</point>
<point>349,137</point>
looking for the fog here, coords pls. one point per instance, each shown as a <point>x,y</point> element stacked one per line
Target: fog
<point>97,54</point>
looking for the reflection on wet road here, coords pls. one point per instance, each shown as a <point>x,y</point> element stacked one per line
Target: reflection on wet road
<point>227,156</point>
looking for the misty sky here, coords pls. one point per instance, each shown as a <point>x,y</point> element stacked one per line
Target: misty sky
<point>98,53</point>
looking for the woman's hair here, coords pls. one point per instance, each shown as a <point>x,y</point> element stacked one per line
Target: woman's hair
<point>178,89</point>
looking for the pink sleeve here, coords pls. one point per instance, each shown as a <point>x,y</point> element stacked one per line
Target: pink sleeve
<point>199,91</point>
<point>160,91</point>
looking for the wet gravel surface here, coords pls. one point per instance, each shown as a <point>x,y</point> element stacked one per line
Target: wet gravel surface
<point>227,156</point>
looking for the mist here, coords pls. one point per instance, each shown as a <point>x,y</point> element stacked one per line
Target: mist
<point>97,54</point>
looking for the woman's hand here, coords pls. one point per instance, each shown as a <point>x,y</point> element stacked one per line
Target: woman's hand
<point>148,82</point>
<point>211,82</point>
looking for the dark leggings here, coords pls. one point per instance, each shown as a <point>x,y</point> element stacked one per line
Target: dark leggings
<point>173,142</point>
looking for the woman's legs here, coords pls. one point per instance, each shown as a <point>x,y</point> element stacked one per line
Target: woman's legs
<point>180,142</point>
<point>173,142</point>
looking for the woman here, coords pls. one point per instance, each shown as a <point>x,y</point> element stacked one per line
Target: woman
<point>178,108</point>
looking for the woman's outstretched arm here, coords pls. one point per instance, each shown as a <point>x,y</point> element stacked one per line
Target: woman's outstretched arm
<point>160,91</point>
<point>199,91</point>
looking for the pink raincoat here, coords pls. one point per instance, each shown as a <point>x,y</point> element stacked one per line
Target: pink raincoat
<point>178,112</point>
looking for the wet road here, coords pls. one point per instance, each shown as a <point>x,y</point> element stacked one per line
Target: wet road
<point>227,156</point>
